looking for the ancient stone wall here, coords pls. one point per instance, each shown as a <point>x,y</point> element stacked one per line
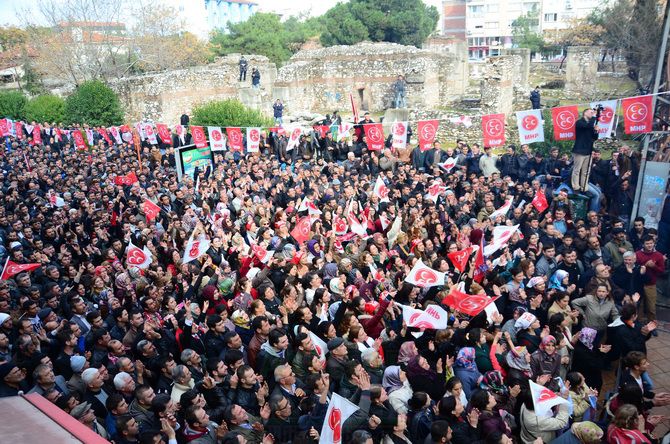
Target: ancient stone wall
<point>497,85</point>
<point>322,79</point>
<point>521,71</point>
<point>581,69</point>
<point>165,96</point>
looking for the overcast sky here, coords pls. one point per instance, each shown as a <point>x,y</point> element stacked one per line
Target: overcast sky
<point>9,8</point>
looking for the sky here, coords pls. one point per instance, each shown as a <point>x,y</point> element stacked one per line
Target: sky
<point>9,8</point>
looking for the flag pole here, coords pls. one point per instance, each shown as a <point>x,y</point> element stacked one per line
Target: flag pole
<point>4,268</point>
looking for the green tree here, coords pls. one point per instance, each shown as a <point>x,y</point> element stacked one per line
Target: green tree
<point>525,32</point>
<point>12,105</point>
<point>93,103</point>
<point>265,34</point>
<point>408,22</point>
<point>45,108</point>
<point>228,112</point>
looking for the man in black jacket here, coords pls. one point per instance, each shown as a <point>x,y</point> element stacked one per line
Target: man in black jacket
<point>586,132</point>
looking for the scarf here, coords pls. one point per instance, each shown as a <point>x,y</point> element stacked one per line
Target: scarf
<point>407,352</point>
<point>466,359</point>
<point>415,370</point>
<point>587,336</point>
<point>391,379</point>
<point>556,280</point>
<point>493,381</point>
<point>516,359</point>
<point>587,432</point>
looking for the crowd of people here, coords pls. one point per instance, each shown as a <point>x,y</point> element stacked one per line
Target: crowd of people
<point>224,349</point>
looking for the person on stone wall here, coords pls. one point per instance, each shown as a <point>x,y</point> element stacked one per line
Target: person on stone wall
<point>255,78</point>
<point>586,132</point>
<point>399,88</point>
<point>535,98</point>
<point>243,69</point>
<point>278,108</point>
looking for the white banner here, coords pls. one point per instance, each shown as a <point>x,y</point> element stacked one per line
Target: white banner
<point>399,131</point>
<point>253,140</point>
<point>607,117</point>
<point>217,140</point>
<point>531,126</point>
<point>151,133</point>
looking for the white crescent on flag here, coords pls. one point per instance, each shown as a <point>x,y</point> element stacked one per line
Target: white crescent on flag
<point>339,410</point>
<point>544,399</point>
<point>501,235</point>
<point>433,317</point>
<point>448,164</point>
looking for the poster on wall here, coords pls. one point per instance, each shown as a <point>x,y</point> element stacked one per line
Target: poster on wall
<point>189,157</point>
<point>654,184</point>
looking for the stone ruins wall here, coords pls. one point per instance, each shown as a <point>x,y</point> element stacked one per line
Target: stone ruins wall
<point>322,79</point>
<point>165,96</point>
<point>581,69</point>
<point>497,84</point>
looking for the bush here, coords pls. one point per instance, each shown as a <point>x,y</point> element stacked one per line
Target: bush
<point>45,108</point>
<point>93,103</point>
<point>228,112</point>
<point>12,105</point>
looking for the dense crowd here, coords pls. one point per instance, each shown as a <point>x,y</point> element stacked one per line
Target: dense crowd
<point>223,349</point>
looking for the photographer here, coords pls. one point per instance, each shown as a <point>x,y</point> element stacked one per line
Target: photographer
<point>586,132</point>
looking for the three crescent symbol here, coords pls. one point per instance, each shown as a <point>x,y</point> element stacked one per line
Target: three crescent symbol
<point>494,127</point>
<point>565,120</point>
<point>637,112</point>
<point>529,123</point>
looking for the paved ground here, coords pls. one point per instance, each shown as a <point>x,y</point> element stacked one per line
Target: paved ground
<point>659,355</point>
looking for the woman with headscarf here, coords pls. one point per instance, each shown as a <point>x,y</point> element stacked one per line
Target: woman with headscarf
<point>585,432</point>
<point>589,358</point>
<point>545,363</point>
<point>408,351</point>
<point>505,397</point>
<point>463,427</point>
<point>397,387</point>
<point>422,378</point>
<point>534,426</point>
<point>559,280</point>
<point>518,361</point>
<point>526,334</point>
<point>466,370</point>
<point>598,309</point>
<point>628,427</point>
<point>314,249</point>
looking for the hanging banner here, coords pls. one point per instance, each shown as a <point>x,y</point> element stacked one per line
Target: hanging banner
<point>151,134</point>
<point>294,139</point>
<point>235,139</point>
<point>78,140</point>
<point>199,138</point>
<point>114,131</point>
<point>253,140</point>
<point>103,132</point>
<point>638,114</point>
<point>530,126</point>
<point>4,127</point>
<point>37,135</point>
<point>493,130</point>
<point>427,130</point>
<point>89,137</point>
<point>399,131</point>
<point>164,133</point>
<point>217,141</point>
<point>564,119</point>
<point>374,132</point>
<point>606,122</point>
<point>19,130</point>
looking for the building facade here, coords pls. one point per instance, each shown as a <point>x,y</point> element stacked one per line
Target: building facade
<point>487,24</point>
<point>221,13</point>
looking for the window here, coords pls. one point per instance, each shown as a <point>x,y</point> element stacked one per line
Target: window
<point>476,10</point>
<point>553,17</point>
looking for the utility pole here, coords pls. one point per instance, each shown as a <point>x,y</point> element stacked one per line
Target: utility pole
<point>657,85</point>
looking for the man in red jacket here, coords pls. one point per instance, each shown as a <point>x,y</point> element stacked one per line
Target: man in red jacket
<point>653,263</point>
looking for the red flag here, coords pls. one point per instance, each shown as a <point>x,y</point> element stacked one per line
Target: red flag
<point>137,257</point>
<point>78,140</point>
<point>564,119</point>
<point>151,210</point>
<point>19,130</point>
<point>638,114</point>
<point>235,139</point>
<point>374,132</point>
<point>4,128</point>
<point>322,129</point>
<point>103,133</point>
<point>340,225</point>
<point>164,133</point>
<point>132,177</point>
<point>427,130</point>
<point>12,268</point>
<point>493,129</point>
<point>480,265</point>
<point>460,258</point>
<point>302,229</point>
<point>470,304</point>
<point>37,135</point>
<point>353,108</point>
<point>540,201</point>
<point>199,138</point>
